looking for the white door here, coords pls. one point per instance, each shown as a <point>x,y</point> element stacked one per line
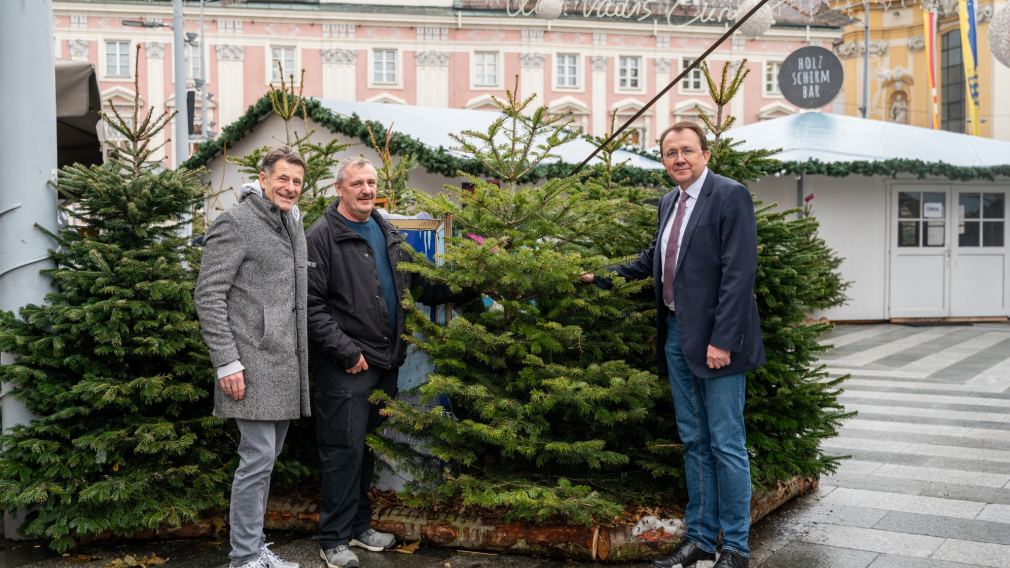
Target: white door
<point>920,251</point>
<point>978,261</point>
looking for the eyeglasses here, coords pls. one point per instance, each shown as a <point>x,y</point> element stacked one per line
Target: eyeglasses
<point>687,153</point>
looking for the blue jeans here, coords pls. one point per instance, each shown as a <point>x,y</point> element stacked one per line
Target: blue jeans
<point>716,464</point>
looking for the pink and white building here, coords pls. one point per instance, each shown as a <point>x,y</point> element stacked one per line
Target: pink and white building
<point>597,58</point>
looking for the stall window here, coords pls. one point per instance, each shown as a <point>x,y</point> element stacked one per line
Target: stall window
<point>921,218</point>
<point>981,219</point>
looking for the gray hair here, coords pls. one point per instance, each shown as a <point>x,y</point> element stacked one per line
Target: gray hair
<point>281,153</point>
<point>357,162</point>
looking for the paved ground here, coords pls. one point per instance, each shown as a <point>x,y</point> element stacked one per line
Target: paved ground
<point>928,485</point>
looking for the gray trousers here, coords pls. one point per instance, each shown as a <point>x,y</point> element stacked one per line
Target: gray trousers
<point>258,449</point>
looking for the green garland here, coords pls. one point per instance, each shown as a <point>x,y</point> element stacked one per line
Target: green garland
<point>894,168</point>
<point>441,161</point>
<point>435,160</point>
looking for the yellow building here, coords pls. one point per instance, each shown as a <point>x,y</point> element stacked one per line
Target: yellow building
<point>898,66</point>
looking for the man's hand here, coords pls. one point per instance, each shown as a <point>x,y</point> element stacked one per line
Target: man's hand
<point>588,277</point>
<point>716,358</point>
<point>233,385</point>
<point>360,367</point>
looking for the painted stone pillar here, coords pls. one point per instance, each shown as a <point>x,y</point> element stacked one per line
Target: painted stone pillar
<point>599,90</point>
<point>531,76</point>
<point>663,65</point>
<point>339,74</point>
<point>432,78</point>
<point>231,83</point>
<point>155,52</point>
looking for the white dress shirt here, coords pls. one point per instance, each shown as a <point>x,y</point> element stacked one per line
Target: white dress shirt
<point>693,191</point>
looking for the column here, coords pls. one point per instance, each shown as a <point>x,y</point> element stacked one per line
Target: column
<point>531,76</point>
<point>27,203</point>
<point>432,78</point>
<point>663,65</point>
<point>599,93</point>
<point>339,74</point>
<point>230,84</point>
<point>155,52</point>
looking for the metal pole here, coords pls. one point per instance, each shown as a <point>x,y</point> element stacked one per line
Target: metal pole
<point>28,158</point>
<point>179,55</point>
<point>866,58</point>
<point>204,126</point>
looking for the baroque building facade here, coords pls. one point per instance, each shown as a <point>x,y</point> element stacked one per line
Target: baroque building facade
<point>899,89</point>
<point>593,58</point>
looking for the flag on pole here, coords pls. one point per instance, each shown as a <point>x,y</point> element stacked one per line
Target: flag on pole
<point>969,52</point>
<point>929,30</point>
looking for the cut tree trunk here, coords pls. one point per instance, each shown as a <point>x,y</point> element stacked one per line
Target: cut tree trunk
<point>623,543</point>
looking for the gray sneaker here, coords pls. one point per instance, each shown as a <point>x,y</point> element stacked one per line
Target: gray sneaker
<point>374,540</point>
<point>339,557</point>
<point>274,561</point>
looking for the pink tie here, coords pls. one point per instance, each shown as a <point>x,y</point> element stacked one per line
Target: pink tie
<point>672,248</point>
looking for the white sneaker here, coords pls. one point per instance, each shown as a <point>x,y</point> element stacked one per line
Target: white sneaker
<point>258,562</point>
<point>274,561</point>
<point>374,540</point>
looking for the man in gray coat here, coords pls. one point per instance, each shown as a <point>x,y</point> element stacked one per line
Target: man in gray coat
<point>251,300</point>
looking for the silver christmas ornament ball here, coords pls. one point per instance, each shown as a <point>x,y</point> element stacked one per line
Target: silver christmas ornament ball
<point>999,35</point>
<point>759,23</point>
<point>550,9</point>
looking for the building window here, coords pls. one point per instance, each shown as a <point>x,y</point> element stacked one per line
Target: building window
<point>78,22</point>
<point>772,78</point>
<point>117,59</point>
<point>694,80</point>
<point>629,72</point>
<point>384,66</point>
<point>485,69</point>
<point>981,219</point>
<point>285,57</point>
<point>952,89</point>
<point>567,72</point>
<point>636,137</point>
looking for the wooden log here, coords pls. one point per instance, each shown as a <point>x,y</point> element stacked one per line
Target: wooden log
<point>623,543</point>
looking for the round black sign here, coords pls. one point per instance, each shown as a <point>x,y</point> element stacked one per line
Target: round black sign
<point>810,77</point>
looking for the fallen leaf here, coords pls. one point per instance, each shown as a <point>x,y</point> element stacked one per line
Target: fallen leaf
<point>408,547</point>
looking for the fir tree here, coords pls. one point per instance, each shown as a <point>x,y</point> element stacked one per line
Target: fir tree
<point>544,406</point>
<point>394,176</point>
<point>113,365</point>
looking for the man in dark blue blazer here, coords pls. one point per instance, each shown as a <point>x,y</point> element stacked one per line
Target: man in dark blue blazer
<point>703,260</point>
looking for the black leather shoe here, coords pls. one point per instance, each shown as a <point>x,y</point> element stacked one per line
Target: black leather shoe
<point>686,554</point>
<point>730,559</point>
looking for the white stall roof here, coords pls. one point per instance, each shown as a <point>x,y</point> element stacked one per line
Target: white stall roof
<point>432,125</point>
<point>839,138</point>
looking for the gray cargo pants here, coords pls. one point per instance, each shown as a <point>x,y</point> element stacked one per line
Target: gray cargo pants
<point>258,449</point>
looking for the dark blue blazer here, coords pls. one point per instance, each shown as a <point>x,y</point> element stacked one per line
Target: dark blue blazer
<point>713,289</point>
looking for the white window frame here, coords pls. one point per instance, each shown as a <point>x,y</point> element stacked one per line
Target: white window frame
<point>397,68</point>
<point>475,82</point>
<point>271,68</point>
<point>640,87</point>
<point>103,48</point>
<point>693,82</point>
<point>770,86</point>
<point>578,72</point>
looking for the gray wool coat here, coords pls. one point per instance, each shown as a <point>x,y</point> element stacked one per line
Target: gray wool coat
<point>250,298</point>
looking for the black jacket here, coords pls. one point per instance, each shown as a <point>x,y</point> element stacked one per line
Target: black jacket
<point>346,312</point>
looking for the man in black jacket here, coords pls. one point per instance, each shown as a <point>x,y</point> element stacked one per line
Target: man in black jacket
<point>355,331</point>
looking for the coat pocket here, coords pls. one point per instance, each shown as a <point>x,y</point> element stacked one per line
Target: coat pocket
<point>334,421</point>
